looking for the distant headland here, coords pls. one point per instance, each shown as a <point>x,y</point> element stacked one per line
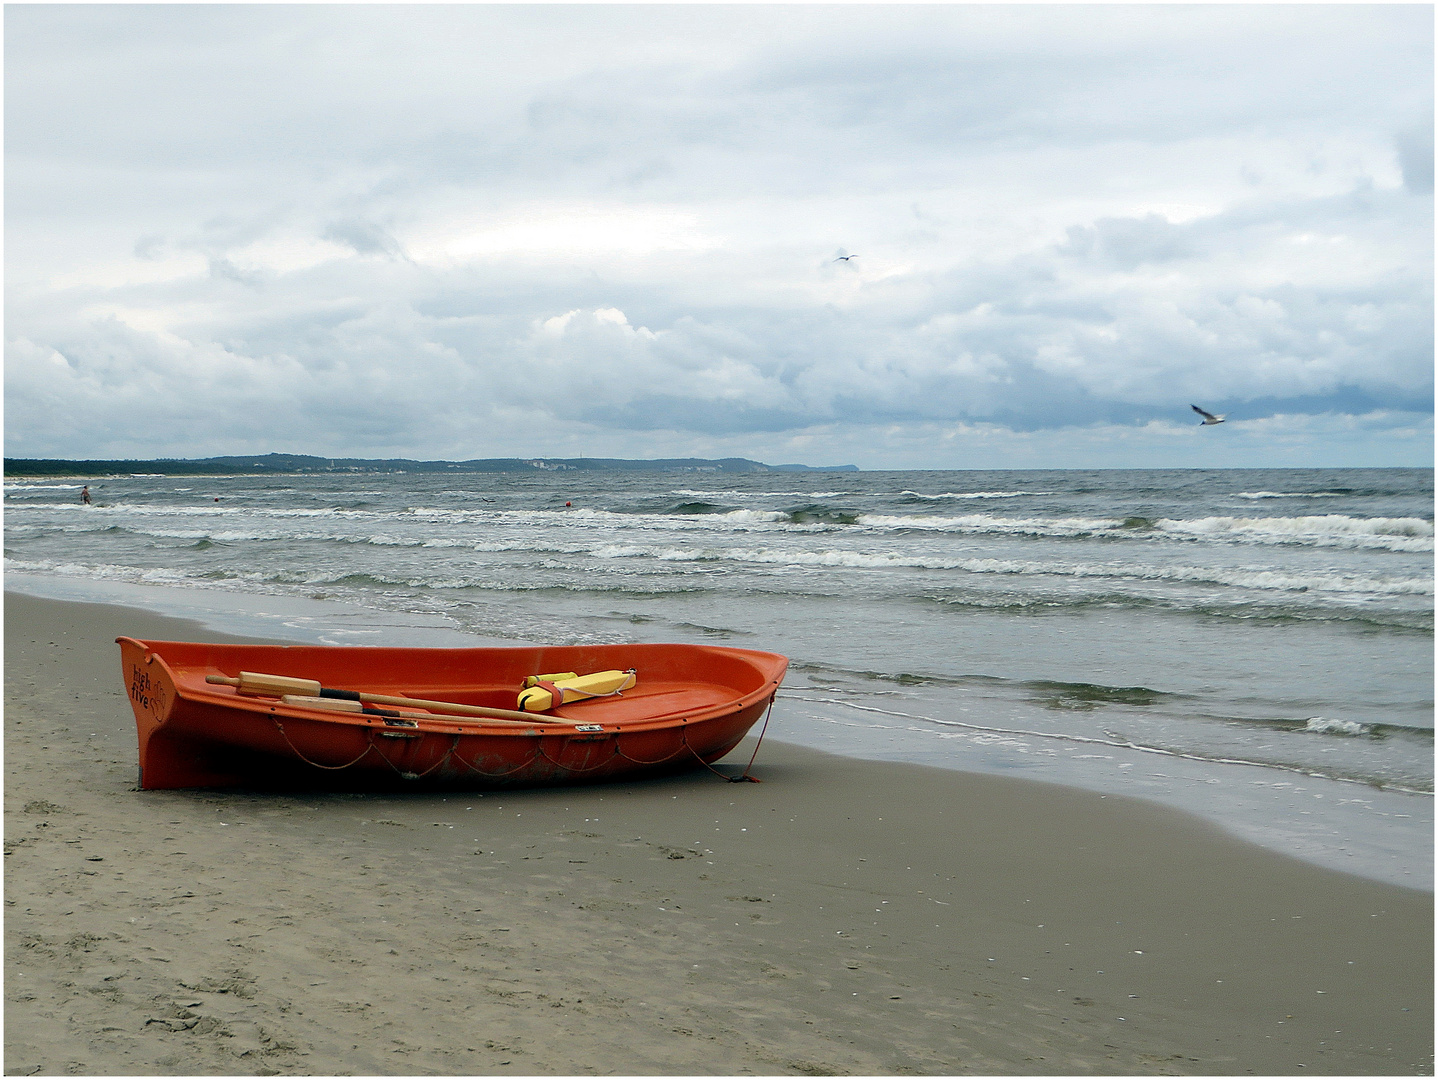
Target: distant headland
<point>260,464</point>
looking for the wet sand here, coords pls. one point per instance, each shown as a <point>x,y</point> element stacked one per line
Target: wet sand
<point>841,917</point>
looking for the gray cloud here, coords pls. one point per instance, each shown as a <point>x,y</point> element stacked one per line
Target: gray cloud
<point>475,231</point>
<point>364,238</point>
<point>1415,157</point>
<point>1126,243</point>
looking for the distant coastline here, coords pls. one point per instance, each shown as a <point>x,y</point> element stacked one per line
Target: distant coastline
<point>260,464</point>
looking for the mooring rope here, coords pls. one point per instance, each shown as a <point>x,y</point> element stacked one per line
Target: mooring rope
<point>762,730</point>
<point>744,776</point>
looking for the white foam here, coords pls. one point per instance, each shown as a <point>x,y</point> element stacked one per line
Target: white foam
<point>689,493</point>
<point>738,520</point>
<point>103,572</point>
<point>1324,726</point>
<point>1326,530</point>
<point>1289,495</point>
<point>1407,534</point>
<point>976,494</point>
<point>993,524</point>
<point>205,510</point>
<point>1255,578</point>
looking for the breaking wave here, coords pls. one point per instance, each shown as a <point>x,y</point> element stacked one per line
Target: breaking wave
<point>1323,726</point>
<point>1289,494</point>
<point>972,495</point>
<point>731,494</point>
<point>1406,534</point>
<point>1327,530</point>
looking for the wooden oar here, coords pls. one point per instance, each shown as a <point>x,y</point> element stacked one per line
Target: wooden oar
<point>251,682</point>
<point>349,706</point>
<point>345,705</point>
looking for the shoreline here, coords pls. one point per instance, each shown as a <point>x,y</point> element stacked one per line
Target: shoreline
<point>843,917</point>
<point>1348,826</point>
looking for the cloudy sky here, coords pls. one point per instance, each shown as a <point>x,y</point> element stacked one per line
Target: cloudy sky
<point>615,231</point>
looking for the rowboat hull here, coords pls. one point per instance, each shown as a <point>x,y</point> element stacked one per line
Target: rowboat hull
<point>692,705</point>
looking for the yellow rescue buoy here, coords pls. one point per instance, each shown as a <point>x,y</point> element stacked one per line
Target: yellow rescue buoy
<point>543,692</point>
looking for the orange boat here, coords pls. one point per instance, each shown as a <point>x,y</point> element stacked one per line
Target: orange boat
<point>433,717</point>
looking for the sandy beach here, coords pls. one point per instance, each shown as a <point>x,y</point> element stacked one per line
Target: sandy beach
<point>841,917</point>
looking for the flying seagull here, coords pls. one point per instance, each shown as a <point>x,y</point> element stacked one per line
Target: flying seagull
<point>845,258</point>
<point>1208,417</point>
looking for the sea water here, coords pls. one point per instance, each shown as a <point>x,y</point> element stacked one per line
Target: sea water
<point>1254,646</point>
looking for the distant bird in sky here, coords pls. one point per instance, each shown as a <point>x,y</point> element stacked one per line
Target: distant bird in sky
<point>845,258</point>
<point>1208,417</point>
